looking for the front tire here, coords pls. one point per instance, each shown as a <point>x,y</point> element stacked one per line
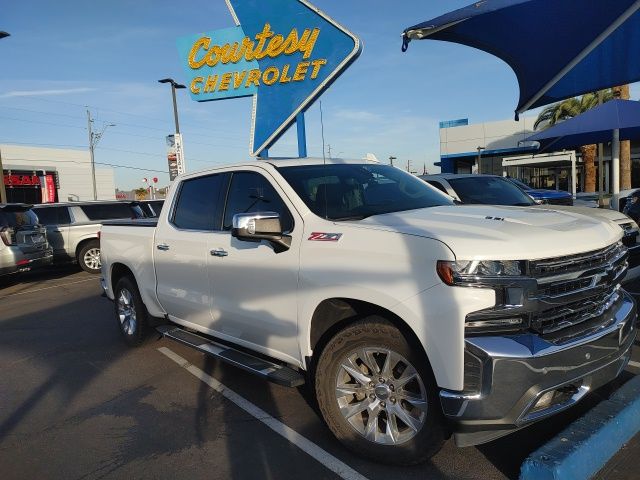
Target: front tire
<point>377,394</point>
<point>130,312</point>
<point>89,257</point>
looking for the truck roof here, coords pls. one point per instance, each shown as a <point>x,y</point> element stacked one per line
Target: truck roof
<point>289,162</point>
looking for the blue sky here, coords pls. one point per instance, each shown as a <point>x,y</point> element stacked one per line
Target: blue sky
<point>62,56</point>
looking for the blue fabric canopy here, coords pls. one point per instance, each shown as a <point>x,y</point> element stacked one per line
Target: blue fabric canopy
<point>594,126</point>
<point>557,48</point>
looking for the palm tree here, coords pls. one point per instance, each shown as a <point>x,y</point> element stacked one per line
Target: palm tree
<point>625,145</point>
<point>141,193</point>
<point>570,108</point>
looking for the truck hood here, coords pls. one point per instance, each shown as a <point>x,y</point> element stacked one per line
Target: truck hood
<point>485,232</point>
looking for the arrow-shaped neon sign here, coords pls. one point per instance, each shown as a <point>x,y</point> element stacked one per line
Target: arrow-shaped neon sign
<point>284,53</point>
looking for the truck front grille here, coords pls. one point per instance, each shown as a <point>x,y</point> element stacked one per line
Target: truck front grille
<point>576,292</point>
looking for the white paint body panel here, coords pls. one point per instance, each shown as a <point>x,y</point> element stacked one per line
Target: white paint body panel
<point>266,301</point>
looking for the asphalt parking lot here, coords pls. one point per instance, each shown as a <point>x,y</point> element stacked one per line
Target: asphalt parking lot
<point>76,403</point>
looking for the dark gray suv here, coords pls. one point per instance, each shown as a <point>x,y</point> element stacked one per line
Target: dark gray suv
<point>23,241</point>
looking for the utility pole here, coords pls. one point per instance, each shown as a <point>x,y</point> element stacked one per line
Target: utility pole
<point>408,166</point>
<point>3,191</point>
<point>391,159</point>
<point>93,163</point>
<point>94,138</point>
<point>329,149</point>
<point>479,158</point>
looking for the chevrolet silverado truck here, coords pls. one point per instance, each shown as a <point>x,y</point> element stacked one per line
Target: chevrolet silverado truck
<point>408,317</point>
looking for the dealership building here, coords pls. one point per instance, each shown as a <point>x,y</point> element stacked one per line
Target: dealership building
<point>501,149</point>
<point>46,175</point>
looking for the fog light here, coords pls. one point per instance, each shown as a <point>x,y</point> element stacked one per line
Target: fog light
<point>544,401</point>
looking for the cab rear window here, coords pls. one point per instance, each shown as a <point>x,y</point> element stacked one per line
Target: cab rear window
<point>114,211</point>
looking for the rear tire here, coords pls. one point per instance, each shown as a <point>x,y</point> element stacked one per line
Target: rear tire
<point>130,312</point>
<point>89,257</point>
<point>378,395</point>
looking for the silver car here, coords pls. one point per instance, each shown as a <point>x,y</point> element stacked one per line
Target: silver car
<point>72,228</point>
<point>23,242</point>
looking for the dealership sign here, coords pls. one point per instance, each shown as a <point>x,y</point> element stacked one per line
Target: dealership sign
<point>284,53</point>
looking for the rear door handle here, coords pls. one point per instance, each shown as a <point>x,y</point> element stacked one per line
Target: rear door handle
<point>162,246</point>
<point>219,252</point>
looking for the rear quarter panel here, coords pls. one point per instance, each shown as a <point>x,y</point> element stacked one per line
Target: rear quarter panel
<point>132,247</point>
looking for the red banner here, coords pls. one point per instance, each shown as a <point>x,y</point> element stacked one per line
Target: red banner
<point>50,185</point>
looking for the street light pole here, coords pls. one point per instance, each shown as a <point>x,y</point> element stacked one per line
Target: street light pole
<point>180,162</point>
<point>174,86</point>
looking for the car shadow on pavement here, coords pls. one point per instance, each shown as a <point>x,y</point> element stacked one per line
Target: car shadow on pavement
<point>37,276</point>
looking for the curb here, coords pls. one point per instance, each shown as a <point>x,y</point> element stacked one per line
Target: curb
<point>584,447</point>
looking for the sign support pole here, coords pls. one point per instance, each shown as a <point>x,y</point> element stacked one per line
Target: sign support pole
<point>302,135</point>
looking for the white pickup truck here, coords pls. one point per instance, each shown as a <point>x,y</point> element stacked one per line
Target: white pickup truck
<point>409,317</point>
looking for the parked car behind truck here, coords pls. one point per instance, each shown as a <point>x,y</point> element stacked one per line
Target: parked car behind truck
<point>72,228</point>
<point>23,241</point>
<point>409,317</point>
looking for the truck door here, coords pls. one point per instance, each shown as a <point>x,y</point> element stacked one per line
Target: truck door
<point>180,249</point>
<point>255,301</point>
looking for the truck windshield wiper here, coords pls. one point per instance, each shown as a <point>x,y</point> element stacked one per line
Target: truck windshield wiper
<point>351,217</point>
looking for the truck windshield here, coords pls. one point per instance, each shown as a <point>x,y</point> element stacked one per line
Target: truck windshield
<point>353,191</point>
<point>489,191</point>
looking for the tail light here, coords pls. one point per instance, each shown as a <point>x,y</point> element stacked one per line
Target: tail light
<point>7,235</point>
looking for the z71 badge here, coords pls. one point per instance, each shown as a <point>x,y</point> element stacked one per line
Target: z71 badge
<point>325,237</point>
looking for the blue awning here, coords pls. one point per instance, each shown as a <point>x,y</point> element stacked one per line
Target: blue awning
<point>594,126</point>
<point>557,48</point>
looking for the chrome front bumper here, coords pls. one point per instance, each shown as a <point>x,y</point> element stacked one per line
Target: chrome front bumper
<point>516,371</point>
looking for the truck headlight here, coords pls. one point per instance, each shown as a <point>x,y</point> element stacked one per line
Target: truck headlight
<point>467,271</point>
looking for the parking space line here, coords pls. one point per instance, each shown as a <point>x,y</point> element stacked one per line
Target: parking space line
<point>325,458</point>
<point>634,364</point>
<point>47,288</point>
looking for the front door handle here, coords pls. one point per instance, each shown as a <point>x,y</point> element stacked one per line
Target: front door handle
<point>162,246</point>
<point>219,252</point>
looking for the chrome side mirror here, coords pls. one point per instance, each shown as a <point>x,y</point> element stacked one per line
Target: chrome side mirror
<point>258,226</point>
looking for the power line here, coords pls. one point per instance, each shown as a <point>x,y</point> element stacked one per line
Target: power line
<point>126,124</point>
<point>95,107</point>
<point>8,142</point>
<point>15,159</point>
<point>41,122</point>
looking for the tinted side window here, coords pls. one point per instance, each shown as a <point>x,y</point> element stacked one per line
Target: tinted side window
<point>438,185</point>
<point>53,215</point>
<point>17,218</point>
<point>198,205</point>
<point>251,192</point>
<point>111,211</point>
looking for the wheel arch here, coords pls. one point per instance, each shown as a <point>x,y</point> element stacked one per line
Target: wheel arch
<point>82,243</point>
<point>333,314</point>
<point>118,271</point>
